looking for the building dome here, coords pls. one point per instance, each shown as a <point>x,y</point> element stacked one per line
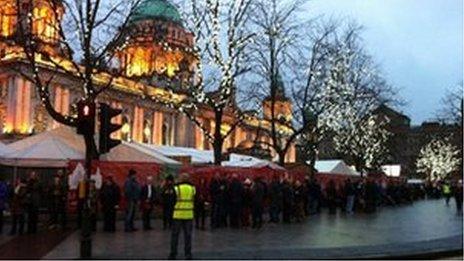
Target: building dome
<point>156,9</point>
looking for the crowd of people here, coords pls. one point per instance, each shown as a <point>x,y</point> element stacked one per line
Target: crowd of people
<point>24,200</point>
<point>228,201</point>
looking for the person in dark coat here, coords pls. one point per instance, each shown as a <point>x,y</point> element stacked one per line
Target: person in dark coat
<point>247,202</point>
<point>168,196</point>
<point>201,197</point>
<point>306,185</point>
<point>349,194</point>
<point>58,196</point>
<point>235,201</point>
<point>3,200</point>
<point>314,194</point>
<point>258,193</point>
<point>18,207</point>
<point>299,201</point>
<point>331,195</point>
<point>147,201</point>
<point>370,196</point>
<point>110,196</point>
<point>132,194</point>
<point>33,196</point>
<point>275,196</point>
<point>222,201</point>
<point>287,201</point>
<point>213,193</point>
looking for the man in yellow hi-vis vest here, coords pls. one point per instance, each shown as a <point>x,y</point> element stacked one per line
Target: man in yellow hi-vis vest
<point>183,216</point>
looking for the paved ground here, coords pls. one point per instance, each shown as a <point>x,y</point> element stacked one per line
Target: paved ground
<point>390,230</point>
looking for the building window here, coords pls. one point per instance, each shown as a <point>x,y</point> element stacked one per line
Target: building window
<point>147,131</point>
<point>45,24</point>
<point>126,128</point>
<point>7,19</point>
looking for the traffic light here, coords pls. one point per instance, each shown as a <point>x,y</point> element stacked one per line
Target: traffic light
<point>85,117</point>
<point>107,127</point>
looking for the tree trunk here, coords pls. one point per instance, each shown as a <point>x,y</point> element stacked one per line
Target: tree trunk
<point>282,157</point>
<point>218,140</point>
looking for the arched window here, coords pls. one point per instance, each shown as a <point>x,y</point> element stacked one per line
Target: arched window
<point>7,19</point>
<point>166,131</point>
<point>147,131</point>
<point>126,128</point>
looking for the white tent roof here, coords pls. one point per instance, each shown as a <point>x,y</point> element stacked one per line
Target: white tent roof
<point>334,167</point>
<point>56,147</point>
<point>4,149</point>
<point>49,151</point>
<point>237,160</point>
<point>197,156</point>
<point>392,170</point>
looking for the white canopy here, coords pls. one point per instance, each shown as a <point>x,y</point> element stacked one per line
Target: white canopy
<point>392,170</point>
<point>197,156</point>
<point>334,167</point>
<point>56,147</point>
<point>237,160</point>
<point>46,150</point>
<point>4,149</point>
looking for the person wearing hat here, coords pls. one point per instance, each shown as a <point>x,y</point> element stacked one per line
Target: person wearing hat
<point>183,216</point>
<point>110,196</point>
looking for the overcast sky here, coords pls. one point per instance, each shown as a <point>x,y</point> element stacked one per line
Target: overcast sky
<point>419,44</point>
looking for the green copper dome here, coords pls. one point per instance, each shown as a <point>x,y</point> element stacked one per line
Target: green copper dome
<point>156,9</point>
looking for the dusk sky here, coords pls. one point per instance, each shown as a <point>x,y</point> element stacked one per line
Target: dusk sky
<point>418,43</point>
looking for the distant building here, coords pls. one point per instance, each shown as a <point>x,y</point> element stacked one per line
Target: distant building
<point>406,141</point>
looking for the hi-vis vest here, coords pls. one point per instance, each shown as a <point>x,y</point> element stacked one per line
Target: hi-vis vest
<point>185,195</point>
<point>446,189</point>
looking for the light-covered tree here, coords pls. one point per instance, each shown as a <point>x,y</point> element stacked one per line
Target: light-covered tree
<point>437,159</point>
<point>359,135</point>
<point>221,36</point>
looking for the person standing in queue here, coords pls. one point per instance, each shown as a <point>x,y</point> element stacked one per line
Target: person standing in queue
<point>446,192</point>
<point>148,202</point>
<point>169,200</point>
<point>3,201</point>
<point>200,202</point>
<point>132,193</point>
<point>110,196</point>
<point>33,195</point>
<point>58,195</point>
<point>247,200</point>
<point>17,207</point>
<point>235,201</point>
<point>214,195</point>
<point>183,216</point>
<point>275,195</point>
<point>259,192</point>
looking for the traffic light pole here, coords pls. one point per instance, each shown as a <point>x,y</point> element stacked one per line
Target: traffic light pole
<point>86,127</point>
<point>86,230</point>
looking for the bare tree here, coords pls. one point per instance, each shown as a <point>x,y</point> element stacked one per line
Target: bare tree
<point>221,36</point>
<point>452,106</point>
<point>271,56</point>
<point>79,43</point>
<point>78,39</point>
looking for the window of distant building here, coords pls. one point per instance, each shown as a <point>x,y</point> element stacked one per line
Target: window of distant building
<point>7,19</point>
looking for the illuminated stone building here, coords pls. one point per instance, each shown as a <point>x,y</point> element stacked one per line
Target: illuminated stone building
<point>157,53</point>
